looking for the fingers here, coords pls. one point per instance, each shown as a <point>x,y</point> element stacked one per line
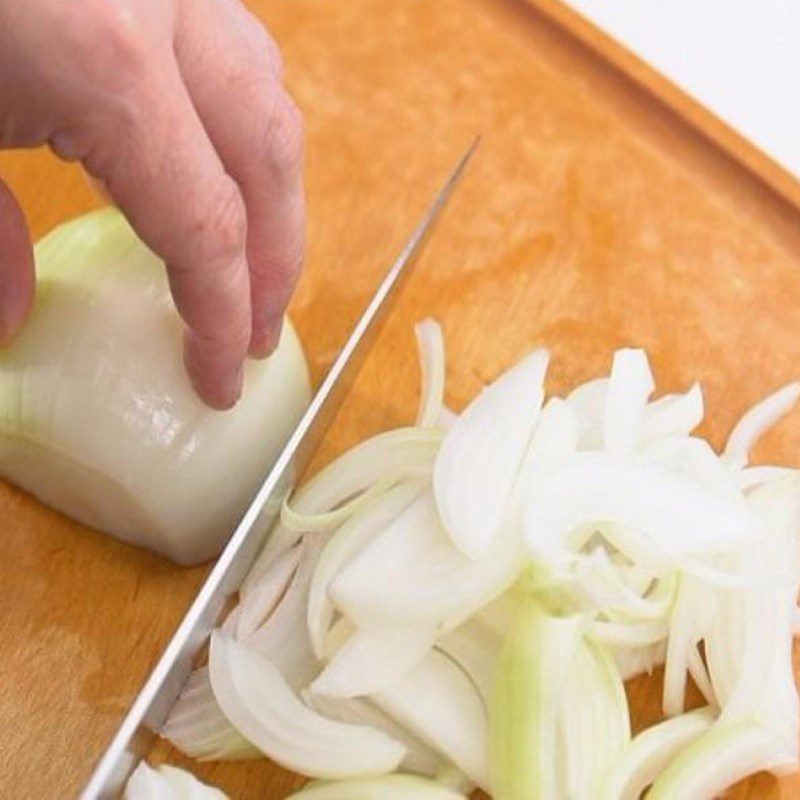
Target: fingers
<point>157,162</point>
<point>16,266</point>
<point>232,70</point>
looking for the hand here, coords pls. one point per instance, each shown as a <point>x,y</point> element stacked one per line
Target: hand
<point>177,107</point>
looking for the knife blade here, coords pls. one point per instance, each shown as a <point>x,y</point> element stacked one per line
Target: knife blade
<point>153,704</point>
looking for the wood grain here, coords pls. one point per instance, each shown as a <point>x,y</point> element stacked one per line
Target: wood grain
<point>592,218</point>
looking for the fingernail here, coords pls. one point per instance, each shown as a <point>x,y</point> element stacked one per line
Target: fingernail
<point>220,392</point>
<point>227,392</point>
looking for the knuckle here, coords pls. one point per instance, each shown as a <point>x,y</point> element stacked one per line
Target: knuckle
<point>286,135</point>
<point>113,46</point>
<point>256,40</point>
<point>248,68</point>
<point>231,339</point>
<point>219,226</point>
<point>280,275</point>
<point>262,44</point>
<point>255,33</point>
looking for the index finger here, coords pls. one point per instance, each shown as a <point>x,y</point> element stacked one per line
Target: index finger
<point>161,169</point>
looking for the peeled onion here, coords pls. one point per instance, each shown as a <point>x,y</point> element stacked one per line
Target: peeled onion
<point>97,415</point>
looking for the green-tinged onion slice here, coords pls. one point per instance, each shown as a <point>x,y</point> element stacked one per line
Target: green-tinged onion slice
<point>649,753</point>
<point>390,787</point>
<point>384,458</point>
<point>530,677</point>
<point>716,760</point>
<point>594,724</point>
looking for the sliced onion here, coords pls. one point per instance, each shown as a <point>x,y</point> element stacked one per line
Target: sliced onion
<point>432,360</point>
<point>438,702</point>
<point>447,419</point>
<point>593,724</point>
<point>372,660</point>
<point>167,783</point>
<point>691,620</point>
<point>411,574</point>
<point>186,787</point>
<point>753,477</point>
<point>714,761</point>
<point>524,714</point>
<point>259,702</point>
<point>594,535</point>
<point>399,452</point>
<point>672,415</point>
<point>757,421</point>
<point>388,456</point>
<point>231,623</point>
<point>477,465</point>
<point>475,648</point>
<point>701,678</point>
<point>265,594</point>
<point>629,386</point>
<point>500,614</point>
<point>634,661</point>
<point>328,520</point>
<point>145,783</point>
<point>629,634</point>
<point>279,540</point>
<point>606,587</point>
<point>344,543</point>
<point>749,649</point>
<point>696,459</point>
<point>649,753</point>
<point>554,440</point>
<point>419,757</point>
<point>588,402</point>
<point>198,728</point>
<point>666,513</point>
<point>284,638</point>
<point>390,787</point>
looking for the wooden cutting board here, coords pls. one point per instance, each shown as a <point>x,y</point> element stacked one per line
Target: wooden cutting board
<point>591,218</point>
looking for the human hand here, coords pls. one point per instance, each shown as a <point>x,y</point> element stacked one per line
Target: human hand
<point>178,109</point>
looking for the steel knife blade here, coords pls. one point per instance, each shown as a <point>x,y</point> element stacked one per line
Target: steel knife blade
<point>152,706</point>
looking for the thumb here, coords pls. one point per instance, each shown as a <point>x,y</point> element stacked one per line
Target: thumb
<point>16,266</point>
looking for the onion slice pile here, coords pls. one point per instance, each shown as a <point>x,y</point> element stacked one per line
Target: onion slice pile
<point>463,598</point>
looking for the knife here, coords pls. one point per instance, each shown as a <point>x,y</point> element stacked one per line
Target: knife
<point>151,708</point>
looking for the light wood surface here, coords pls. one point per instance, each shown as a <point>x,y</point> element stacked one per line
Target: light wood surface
<point>591,218</point>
